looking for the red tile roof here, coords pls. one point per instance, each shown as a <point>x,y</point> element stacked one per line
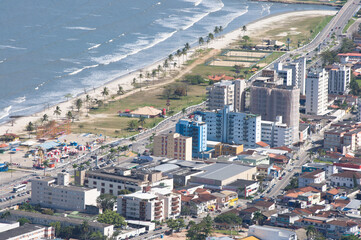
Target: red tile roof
<point>350,54</point>
<point>333,191</point>
<point>289,150</point>
<point>348,174</point>
<point>262,144</point>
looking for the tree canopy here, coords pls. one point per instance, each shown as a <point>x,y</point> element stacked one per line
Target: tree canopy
<point>111,217</point>
<point>106,201</point>
<point>229,218</point>
<point>201,230</point>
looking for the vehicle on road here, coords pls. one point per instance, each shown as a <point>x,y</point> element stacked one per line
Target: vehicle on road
<point>19,188</point>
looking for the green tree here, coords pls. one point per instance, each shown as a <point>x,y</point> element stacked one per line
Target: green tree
<point>311,232</point>
<point>258,218</point>
<point>69,115</point>
<point>29,128</point>
<point>132,124</point>
<point>23,220</point>
<point>57,227</point>
<point>246,39</point>
<point>79,103</point>
<point>141,121</point>
<point>201,230</point>
<point>229,218</point>
<point>57,111</point>
<point>44,118</point>
<point>201,41</point>
<point>111,217</point>
<point>329,57</point>
<point>350,237</point>
<point>244,29</point>
<point>106,201</point>
<point>124,192</point>
<point>97,236</point>
<point>45,165</point>
<point>67,96</point>
<point>105,92</point>
<point>120,90</point>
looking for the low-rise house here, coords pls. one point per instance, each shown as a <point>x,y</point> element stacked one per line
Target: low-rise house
<point>203,203</point>
<point>353,207</point>
<point>329,169</point>
<point>284,219</point>
<point>245,188</point>
<point>278,159</point>
<point>346,179</point>
<point>271,233</point>
<point>332,194</point>
<point>265,205</point>
<point>225,198</point>
<point>28,232</point>
<point>342,227</point>
<point>247,214</point>
<point>314,177</point>
<point>310,198</point>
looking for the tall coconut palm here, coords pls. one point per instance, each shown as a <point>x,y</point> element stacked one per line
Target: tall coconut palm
<point>165,65</point>
<point>154,73</point>
<point>140,80</point>
<point>179,54</point>
<point>244,29</point>
<point>45,118</point>
<point>216,30</point>
<point>120,90</point>
<point>141,121</point>
<point>57,111</point>
<point>200,41</point>
<point>220,29</point>
<point>170,57</point>
<point>105,92</point>
<point>79,103</point>
<point>187,46</point>
<point>184,53</point>
<point>88,100</point>
<point>159,69</point>
<point>147,75</point>
<point>258,218</point>
<point>69,115</point>
<point>45,165</point>
<point>29,128</point>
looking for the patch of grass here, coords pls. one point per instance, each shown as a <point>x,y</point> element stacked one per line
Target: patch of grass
<point>320,161</point>
<point>106,121</point>
<point>270,58</point>
<point>227,232</point>
<point>349,23</point>
<point>322,24</point>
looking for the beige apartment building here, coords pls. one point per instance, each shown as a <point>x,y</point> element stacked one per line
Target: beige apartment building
<point>52,193</point>
<point>150,204</point>
<point>173,145</point>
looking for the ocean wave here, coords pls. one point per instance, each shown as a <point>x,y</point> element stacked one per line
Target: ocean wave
<point>23,109</point>
<point>139,46</point>
<point>11,47</point>
<point>79,70</point>
<point>19,99</point>
<point>5,112</point>
<point>72,39</point>
<point>81,28</point>
<point>94,46</point>
<point>69,60</point>
<point>266,8</point>
<point>196,2</point>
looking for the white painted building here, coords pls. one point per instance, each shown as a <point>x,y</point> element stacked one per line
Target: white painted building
<point>220,94</point>
<point>284,73</point>
<point>271,233</point>
<point>301,74</point>
<point>346,179</point>
<point>155,204</point>
<point>47,193</point>
<point>276,134</point>
<point>239,94</point>
<point>317,93</point>
<point>315,177</point>
<point>232,127</point>
<point>339,77</point>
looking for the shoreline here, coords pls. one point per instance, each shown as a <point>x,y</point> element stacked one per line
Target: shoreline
<point>300,2</point>
<point>125,81</point>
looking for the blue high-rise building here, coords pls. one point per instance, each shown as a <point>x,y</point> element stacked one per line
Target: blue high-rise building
<point>198,131</point>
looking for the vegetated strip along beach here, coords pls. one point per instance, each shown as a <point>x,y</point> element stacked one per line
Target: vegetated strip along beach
<point>19,124</point>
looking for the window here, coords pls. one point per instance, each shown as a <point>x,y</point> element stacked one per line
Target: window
<point>103,184</point>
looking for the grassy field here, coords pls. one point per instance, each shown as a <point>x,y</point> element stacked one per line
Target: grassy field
<point>270,58</point>
<point>105,120</point>
<point>349,23</point>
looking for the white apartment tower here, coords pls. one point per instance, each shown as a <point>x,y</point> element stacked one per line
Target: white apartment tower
<point>239,95</point>
<point>339,77</point>
<point>317,92</point>
<point>220,94</point>
<point>276,134</point>
<point>301,74</point>
<point>284,73</point>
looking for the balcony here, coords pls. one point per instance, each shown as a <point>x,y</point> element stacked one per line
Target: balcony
<point>175,203</point>
<point>175,208</point>
<point>158,217</point>
<point>175,212</point>
<point>158,208</point>
<point>158,204</point>
<point>175,198</point>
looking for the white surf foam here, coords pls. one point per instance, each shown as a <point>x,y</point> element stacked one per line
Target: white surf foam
<point>95,46</point>
<point>139,46</point>
<point>5,112</point>
<point>69,60</point>
<point>19,99</point>
<point>196,2</point>
<point>81,28</point>
<point>11,47</point>
<point>82,69</point>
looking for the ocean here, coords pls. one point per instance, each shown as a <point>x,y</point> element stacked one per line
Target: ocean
<point>50,48</point>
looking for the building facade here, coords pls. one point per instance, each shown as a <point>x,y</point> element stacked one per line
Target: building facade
<point>173,145</point>
<point>317,92</point>
<point>276,134</point>
<point>270,100</point>
<point>339,77</point>
<point>232,127</point>
<point>197,130</point>
<point>220,94</point>
<point>47,193</point>
<point>155,204</point>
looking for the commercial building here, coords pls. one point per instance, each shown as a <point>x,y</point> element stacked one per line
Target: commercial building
<point>232,127</point>
<point>150,204</point>
<point>59,195</point>
<point>276,133</point>
<point>197,130</point>
<point>271,233</point>
<point>339,77</point>
<point>270,100</point>
<point>245,188</point>
<point>225,149</point>
<point>173,145</point>
<point>342,138</point>
<point>220,174</point>
<point>28,232</point>
<point>317,92</point>
<point>227,93</point>
<point>251,160</point>
<point>112,180</point>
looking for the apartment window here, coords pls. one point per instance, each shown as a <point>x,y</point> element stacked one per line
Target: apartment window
<point>102,190</point>
<point>111,185</point>
<point>94,182</point>
<point>111,191</point>
<point>103,184</point>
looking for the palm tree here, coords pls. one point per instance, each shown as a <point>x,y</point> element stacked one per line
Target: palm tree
<point>88,100</point>
<point>140,80</point>
<point>147,74</point>
<point>75,166</point>
<point>258,217</point>
<point>244,29</point>
<point>57,111</point>
<point>187,46</point>
<point>67,96</point>
<point>220,29</point>
<point>288,43</point>
<point>105,92</point>
<point>310,154</point>
<point>141,121</point>
<point>29,128</point>
<point>184,110</point>
<point>170,57</point>
<point>45,118</point>
<point>174,65</point>
<point>79,103</point>
<point>211,36</point>
<point>310,232</point>
<point>184,53</point>
<point>165,65</point>
<point>69,115</point>
<point>45,165</point>
<point>179,54</point>
<point>216,30</point>
<point>154,73</point>
<point>200,41</point>
<point>158,70</point>
<point>120,90</point>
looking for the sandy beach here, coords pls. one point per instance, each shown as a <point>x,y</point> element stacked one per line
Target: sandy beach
<point>18,126</point>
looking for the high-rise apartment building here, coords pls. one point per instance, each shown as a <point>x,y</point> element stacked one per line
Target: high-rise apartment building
<point>156,204</point>
<point>284,73</point>
<point>301,75</point>
<point>339,76</point>
<point>270,100</point>
<point>232,127</point>
<point>173,145</point>
<point>317,92</point>
<point>197,130</point>
<point>220,94</point>
<point>276,133</point>
<point>227,93</point>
